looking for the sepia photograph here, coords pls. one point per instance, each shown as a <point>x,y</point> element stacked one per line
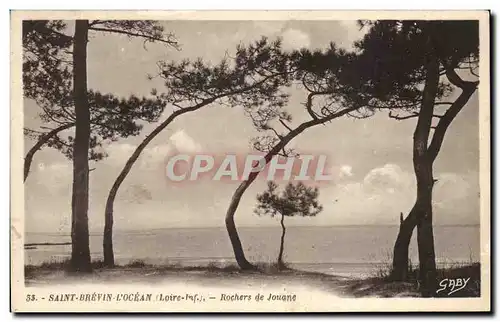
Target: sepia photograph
<point>250,161</point>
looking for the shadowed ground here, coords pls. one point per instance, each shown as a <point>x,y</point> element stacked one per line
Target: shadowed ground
<point>229,276</point>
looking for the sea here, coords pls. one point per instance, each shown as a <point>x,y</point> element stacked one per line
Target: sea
<point>336,250</point>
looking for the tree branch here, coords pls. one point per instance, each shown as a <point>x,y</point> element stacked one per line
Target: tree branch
<point>448,117</point>
<point>284,153</point>
<point>43,139</point>
<point>94,22</point>
<point>456,80</point>
<point>284,124</point>
<point>414,114</point>
<point>309,106</point>
<point>134,34</point>
<point>274,131</point>
<point>64,36</point>
<point>49,115</point>
<point>399,118</point>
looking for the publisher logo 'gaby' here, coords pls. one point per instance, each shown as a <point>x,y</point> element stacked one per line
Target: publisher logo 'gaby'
<point>232,167</point>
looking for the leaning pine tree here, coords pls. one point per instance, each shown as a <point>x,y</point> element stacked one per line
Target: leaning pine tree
<point>295,200</point>
<point>323,78</point>
<point>411,67</point>
<point>255,77</point>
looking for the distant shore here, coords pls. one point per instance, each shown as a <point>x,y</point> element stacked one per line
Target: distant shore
<point>146,229</point>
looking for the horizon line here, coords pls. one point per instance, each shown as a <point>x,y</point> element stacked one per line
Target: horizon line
<point>266,226</point>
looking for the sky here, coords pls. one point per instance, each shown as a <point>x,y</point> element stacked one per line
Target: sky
<point>370,159</point>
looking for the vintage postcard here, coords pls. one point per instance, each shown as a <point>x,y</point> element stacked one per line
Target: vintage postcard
<point>250,161</point>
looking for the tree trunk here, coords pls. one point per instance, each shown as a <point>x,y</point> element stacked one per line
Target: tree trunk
<point>425,236</point>
<point>239,254</point>
<point>235,200</point>
<point>38,145</point>
<point>281,265</point>
<point>424,156</point>
<point>107,240</point>
<point>425,181</point>
<point>422,164</point>
<point>107,243</point>
<point>401,247</point>
<point>80,253</point>
<point>426,254</point>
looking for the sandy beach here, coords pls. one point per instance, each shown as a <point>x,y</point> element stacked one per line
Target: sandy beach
<point>227,278</point>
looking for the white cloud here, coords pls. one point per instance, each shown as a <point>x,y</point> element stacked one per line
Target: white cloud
<point>388,190</point>
<point>345,171</point>
<point>387,178</point>
<point>294,39</point>
<point>119,153</point>
<point>152,155</point>
<point>184,143</point>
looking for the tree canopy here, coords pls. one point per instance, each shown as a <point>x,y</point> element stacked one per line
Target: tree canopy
<point>295,200</point>
<point>47,79</point>
<point>391,59</point>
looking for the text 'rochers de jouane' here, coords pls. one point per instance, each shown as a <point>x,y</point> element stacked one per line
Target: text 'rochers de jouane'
<point>237,297</point>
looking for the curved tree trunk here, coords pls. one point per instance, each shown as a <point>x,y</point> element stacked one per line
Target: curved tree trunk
<point>401,247</point>
<point>422,165</point>
<point>281,265</point>
<point>107,243</point>
<point>424,155</point>
<point>425,238</point>
<point>239,254</point>
<point>38,145</point>
<point>235,200</point>
<point>80,253</point>
<point>425,184</point>
<point>425,233</point>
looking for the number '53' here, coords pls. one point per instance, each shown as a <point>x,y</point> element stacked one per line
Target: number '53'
<point>30,298</point>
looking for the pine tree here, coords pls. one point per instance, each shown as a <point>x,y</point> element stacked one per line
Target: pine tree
<point>410,68</point>
<point>55,77</point>
<point>295,200</point>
